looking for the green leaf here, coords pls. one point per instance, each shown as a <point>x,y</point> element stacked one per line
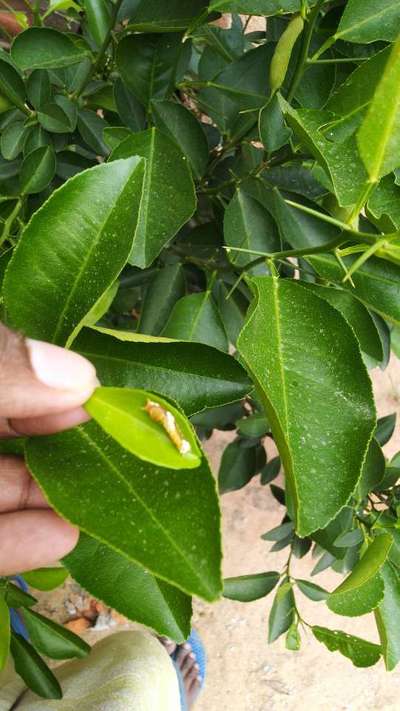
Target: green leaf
<point>163,519</point>
<point>248,225</point>
<point>53,640</point>
<point>349,539</point>
<point>293,639</point>
<point>279,532</point>
<point>387,617</point>
<point>195,318</point>
<point>238,466</point>
<point>4,632</point>
<point>379,136</point>
<point>146,425</point>
<point>81,269</point>
<point>283,52</point>
<point>359,651</point>
<point>362,591</point>
<point>311,590</point>
<point>282,612</point>
<point>366,21</point>
<point>159,16</point>
<point>272,127</point>
<point>91,127</point>
<point>168,197</point>
<point>376,283</point>
<point>114,135</point>
<point>45,48</point>
<point>356,315</point>
<point>373,470</point>
<point>195,375</point>
<point>38,170</point>
<point>255,425</point>
<point>384,204</point>
<point>140,596</point>
<point>46,578</point>
<point>270,471</point>
<point>15,597</point>
<point>385,428</point>
<point>13,139</point>
<point>11,85</point>
<point>98,17</point>
<point>256,7</point>
<point>36,138</point>
<point>58,116</point>
<point>180,125</point>
<point>321,422</point>
<point>130,110</point>
<point>33,670</point>
<point>167,287</point>
<point>39,88</point>
<point>151,65</point>
<point>340,160</point>
<point>246,588</point>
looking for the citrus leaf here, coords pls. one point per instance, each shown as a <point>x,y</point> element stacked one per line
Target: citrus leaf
<point>33,669</point>
<point>247,588</point>
<point>307,366</point>
<point>168,199</point>
<point>89,239</point>
<point>282,612</point>
<point>53,640</point>
<point>387,617</point>
<point>311,590</point>
<point>45,578</point>
<point>195,318</point>
<point>368,21</point>
<point>194,375</point>
<point>362,591</point>
<point>180,125</point>
<point>140,596</point>
<point>37,170</point>
<point>44,48</point>
<point>159,16</point>
<point>4,632</point>
<point>361,652</point>
<point>248,225</point>
<point>11,85</point>
<point>146,425</point>
<point>162,519</point>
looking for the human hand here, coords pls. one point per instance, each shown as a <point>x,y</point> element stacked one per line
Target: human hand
<point>42,389</point>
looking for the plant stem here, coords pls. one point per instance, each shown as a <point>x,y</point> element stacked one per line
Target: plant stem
<point>305,47</point>
<point>8,223</point>
<point>362,236</point>
<point>341,60</point>
<point>37,20</point>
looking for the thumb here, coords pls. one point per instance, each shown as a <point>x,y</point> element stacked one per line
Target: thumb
<point>37,378</point>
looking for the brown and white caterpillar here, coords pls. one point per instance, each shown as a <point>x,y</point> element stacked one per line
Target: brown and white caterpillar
<point>168,422</point>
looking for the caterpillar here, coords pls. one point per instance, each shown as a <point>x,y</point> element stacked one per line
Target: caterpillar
<point>168,422</point>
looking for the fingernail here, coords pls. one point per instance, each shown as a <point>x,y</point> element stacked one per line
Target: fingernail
<point>186,645</point>
<point>191,655</point>
<point>59,368</point>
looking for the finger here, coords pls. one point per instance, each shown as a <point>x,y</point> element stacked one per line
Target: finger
<point>37,378</point>
<point>18,489</point>
<point>48,424</point>
<point>33,539</point>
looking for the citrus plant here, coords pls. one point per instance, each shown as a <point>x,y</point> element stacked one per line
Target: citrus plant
<point>211,216</point>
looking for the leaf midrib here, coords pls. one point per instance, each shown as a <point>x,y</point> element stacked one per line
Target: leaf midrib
<point>163,530</point>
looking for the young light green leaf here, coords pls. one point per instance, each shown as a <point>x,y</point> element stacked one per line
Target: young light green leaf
<point>247,588</point>
<point>37,170</point>
<point>333,410</point>
<point>184,128</point>
<point>359,651</point>
<point>311,590</point>
<point>146,425</point>
<point>82,266</point>
<point>293,639</point>
<point>53,640</point>
<point>248,225</point>
<point>141,597</point>
<point>162,519</point>
<point>282,612</point>
<point>195,318</point>
<point>194,375</point>
<point>283,51</point>
<point>168,199</point>
<point>362,591</point>
<point>379,136</point>
<point>4,632</point>
<point>45,578</point>
<point>33,670</point>
<point>387,617</point>
<point>45,48</point>
<point>366,21</point>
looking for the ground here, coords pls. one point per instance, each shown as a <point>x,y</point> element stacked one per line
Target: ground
<point>244,672</point>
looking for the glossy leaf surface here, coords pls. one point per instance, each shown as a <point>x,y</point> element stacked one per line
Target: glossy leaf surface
<point>185,130</point>
<point>305,382</point>
<point>361,652</point>
<point>387,617</point>
<point>247,588</point>
<point>33,670</point>
<point>127,415</point>
<point>367,21</point>
<point>52,639</point>
<point>90,242</point>
<point>195,318</point>
<point>158,518</point>
<point>44,48</point>
<point>45,578</point>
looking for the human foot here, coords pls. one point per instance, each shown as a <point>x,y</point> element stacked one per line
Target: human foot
<point>185,659</point>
